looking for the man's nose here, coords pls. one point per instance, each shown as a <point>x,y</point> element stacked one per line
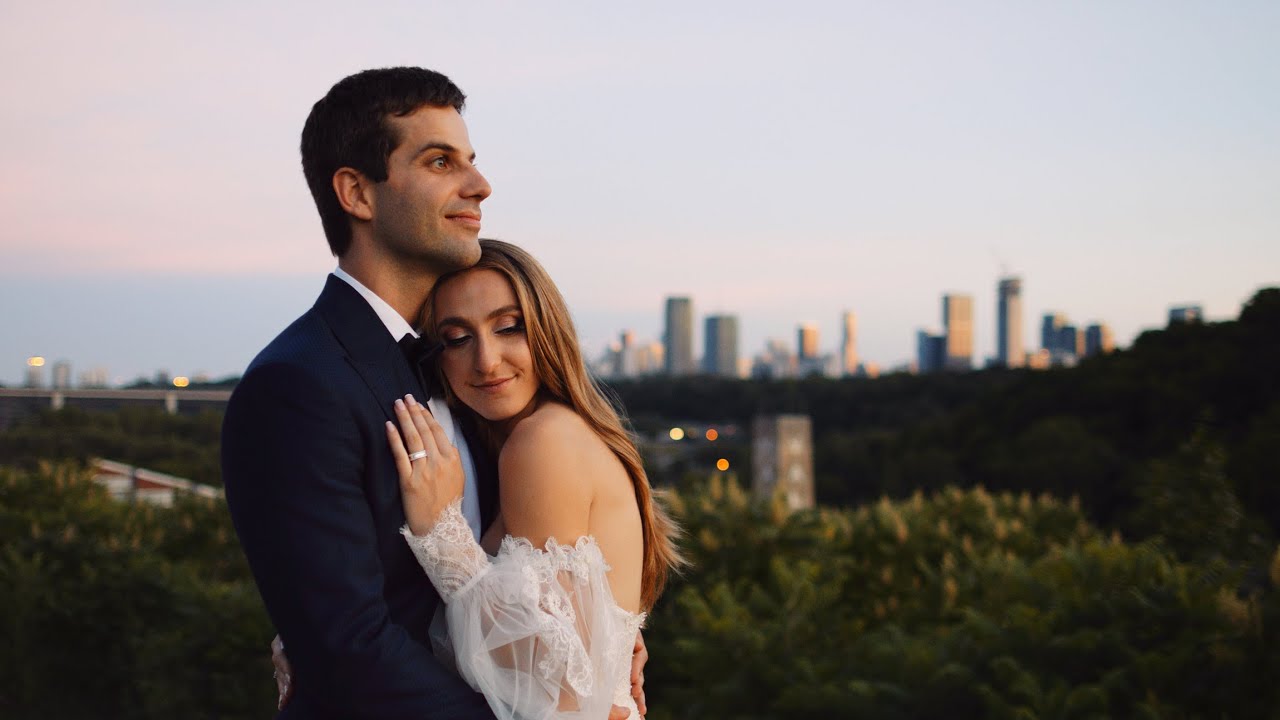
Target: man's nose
<point>477,186</point>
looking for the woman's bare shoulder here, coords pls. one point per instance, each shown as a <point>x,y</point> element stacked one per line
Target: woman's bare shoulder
<point>546,484</point>
<point>552,429</point>
<point>548,446</point>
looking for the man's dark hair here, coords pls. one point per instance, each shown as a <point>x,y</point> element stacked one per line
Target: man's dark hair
<point>348,128</point>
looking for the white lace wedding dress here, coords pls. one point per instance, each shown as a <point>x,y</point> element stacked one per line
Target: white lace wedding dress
<point>536,630</point>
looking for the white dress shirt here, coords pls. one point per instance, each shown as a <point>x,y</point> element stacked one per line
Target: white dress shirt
<point>398,328</point>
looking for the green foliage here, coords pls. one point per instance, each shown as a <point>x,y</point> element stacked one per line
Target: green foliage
<point>960,604</point>
<point>1187,502</point>
<point>116,610</point>
<point>182,445</point>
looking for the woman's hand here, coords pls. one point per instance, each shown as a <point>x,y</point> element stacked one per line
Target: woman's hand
<point>431,474</point>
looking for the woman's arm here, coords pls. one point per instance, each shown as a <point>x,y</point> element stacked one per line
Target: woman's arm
<point>536,629</point>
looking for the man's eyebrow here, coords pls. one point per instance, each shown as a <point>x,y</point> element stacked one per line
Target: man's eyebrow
<point>434,145</point>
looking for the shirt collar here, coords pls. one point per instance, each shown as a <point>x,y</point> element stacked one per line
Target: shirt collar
<point>396,324</point>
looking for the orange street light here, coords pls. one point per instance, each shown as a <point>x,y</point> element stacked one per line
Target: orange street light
<point>722,464</point>
<point>712,434</point>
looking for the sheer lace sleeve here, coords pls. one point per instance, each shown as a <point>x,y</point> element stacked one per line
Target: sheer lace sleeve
<point>536,630</point>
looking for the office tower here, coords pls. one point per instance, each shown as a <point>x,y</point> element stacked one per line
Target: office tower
<point>626,364</point>
<point>35,372</point>
<point>931,351</point>
<point>1186,314</point>
<point>782,458</point>
<point>1039,360</point>
<point>720,355</point>
<point>807,342</point>
<point>1009,349</point>
<point>1098,340</point>
<point>95,378</point>
<point>957,324</point>
<point>62,375</point>
<point>775,362</point>
<point>678,336</point>
<point>1051,333</point>
<point>849,344</point>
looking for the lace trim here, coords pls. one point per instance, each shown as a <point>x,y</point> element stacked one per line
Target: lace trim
<point>619,651</point>
<point>455,563</point>
<point>449,553</point>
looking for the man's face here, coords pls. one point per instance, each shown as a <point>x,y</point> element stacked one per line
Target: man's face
<point>428,208</point>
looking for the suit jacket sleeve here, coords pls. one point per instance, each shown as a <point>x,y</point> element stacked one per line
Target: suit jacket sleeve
<point>293,460</point>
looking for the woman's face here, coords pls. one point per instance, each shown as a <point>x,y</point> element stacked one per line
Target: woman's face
<point>486,358</point>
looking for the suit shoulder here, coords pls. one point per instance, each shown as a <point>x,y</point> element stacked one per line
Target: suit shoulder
<point>299,343</point>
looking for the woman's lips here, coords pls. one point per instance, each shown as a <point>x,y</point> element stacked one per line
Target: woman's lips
<point>494,387</point>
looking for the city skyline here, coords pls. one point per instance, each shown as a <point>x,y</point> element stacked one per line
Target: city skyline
<point>776,165</point>
<point>638,355</point>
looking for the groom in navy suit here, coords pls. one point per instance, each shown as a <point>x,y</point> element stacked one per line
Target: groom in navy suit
<point>310,481</point>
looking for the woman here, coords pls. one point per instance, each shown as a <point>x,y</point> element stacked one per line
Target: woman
<point>545,628</point>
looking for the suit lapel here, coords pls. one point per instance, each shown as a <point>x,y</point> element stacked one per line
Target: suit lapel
<point>377,358</point>
<point>371,350</point>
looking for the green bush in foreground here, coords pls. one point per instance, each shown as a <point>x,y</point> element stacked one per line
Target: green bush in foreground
<point>962,604</point>
<point>114,610</point>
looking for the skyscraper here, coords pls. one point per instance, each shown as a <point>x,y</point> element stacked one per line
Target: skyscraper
<point>930,351</point>
<point>849,344</point>
<point>678,336</point>
<point>957,324</point>
<point>807,342</point>
<point>1186,314</point>
<point>1098,340</point>
<point>1009,348</point>
<point>720,354</point>
<point>1051,333</point>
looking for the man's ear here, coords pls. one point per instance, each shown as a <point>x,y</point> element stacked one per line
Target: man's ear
<point>354,192</point>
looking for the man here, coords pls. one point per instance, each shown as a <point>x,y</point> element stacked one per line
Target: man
<point>310,482</point>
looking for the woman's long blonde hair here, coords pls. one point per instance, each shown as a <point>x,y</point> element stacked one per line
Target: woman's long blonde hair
<point>557,360</point>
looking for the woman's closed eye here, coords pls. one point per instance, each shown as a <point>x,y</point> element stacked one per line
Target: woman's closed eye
<point>455,339</point>
<point>511,328</point>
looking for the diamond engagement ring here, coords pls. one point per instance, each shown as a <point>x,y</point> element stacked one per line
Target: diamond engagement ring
<point>417,456</point>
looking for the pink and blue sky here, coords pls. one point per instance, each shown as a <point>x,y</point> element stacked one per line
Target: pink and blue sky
<point>779,164</point>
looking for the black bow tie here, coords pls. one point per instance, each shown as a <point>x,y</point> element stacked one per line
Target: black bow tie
<point>421,354</point>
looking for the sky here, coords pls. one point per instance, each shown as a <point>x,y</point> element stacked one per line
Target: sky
<point>783,163</point>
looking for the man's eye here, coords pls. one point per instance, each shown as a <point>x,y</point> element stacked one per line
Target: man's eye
<point>440,162</point>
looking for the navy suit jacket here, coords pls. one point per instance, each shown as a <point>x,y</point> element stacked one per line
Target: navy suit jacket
<point>315,498</point>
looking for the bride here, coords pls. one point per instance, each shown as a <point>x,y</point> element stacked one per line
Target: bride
<point>543,613</point>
